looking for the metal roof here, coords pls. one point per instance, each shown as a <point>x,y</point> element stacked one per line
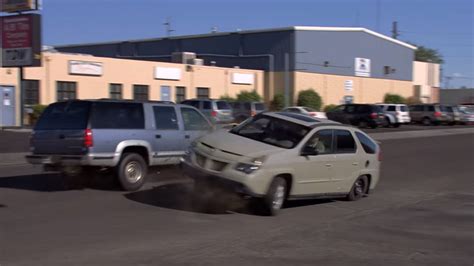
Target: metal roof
<point>292,28</point>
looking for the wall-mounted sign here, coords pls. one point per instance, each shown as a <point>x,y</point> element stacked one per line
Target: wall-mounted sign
<point>349,85</point>
<point>85,68</point>
<point>239,78</point>
<point>18,5</point>
<point>362,67</point>
<point>20,40</point>
<point>168,73</point>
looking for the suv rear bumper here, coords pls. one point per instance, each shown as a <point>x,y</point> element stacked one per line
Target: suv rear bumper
<point>71,160</point>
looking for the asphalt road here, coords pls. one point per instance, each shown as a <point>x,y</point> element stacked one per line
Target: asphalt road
<point>422,213</point>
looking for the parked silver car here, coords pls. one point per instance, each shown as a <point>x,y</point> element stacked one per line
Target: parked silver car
<point>218,111</point>
<point>275,157</point>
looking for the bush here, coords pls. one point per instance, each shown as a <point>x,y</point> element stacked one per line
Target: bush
<point>413,100</point>
<point>309,98</point>
<point>278,102</point>
<point>226,97</point>
<point>249,96</point>
<point>393,98</point>
<point>37,111</point>
<point>329,107</point>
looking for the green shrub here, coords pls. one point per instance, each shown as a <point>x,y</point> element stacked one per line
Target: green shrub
<point>393,98</point>
<point>226,97</point>
<point>249,96</point>
<point>37,111</point>
<point>413,100</point>
<point>278,102</point>
<point>309,98</point>
<point>329,107</point>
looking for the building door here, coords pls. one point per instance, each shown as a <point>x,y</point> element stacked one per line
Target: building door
<point>7,106</point>
<point>165,93</point>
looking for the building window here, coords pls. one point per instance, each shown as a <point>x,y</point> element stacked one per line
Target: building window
<point>140,92</point>
<point>66,90</point>
<point>202,93</point>
<point>115,91</point>
<point>31,88</point>
<point>180,94</point>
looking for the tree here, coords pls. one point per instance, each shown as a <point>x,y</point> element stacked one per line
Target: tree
<point>425,54</point>
<point>310,98</point>
<point>393,98</point>
<point>329,107</point>
<point>413,100</point>
<point>226,97</point>
<point>249,96</point>
<point>278,102</point>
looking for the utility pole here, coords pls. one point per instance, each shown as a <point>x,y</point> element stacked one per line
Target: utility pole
<point>167,25</point>
<point>287,80</point>
<point>395,33</point>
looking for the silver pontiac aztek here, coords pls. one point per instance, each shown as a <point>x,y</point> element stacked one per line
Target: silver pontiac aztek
<point>274,157</point>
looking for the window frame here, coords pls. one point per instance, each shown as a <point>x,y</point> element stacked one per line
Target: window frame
<point>335,139</point>
<point>141,86</point>
<point>118,86</point>
<point>201,96</point>
<point>332,150</point>
<point>155,107</point>
<point>68,90</point>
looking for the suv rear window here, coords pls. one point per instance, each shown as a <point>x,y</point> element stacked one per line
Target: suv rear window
<point>222,105</point>
<point>367,144</point>
<point>117,116</point>
<point>206,105</point>
<point>64,115</point>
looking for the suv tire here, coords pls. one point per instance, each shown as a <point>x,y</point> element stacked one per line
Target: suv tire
<point>426,121</point>
<point>359,189</point>
<point>132,171</point>
<point>273,201</point>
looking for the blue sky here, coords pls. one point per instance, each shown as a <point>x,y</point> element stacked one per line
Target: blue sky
<point>446,25</point>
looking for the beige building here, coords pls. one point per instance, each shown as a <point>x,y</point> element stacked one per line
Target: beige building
<point>71,76</point>
<point>426,79</point>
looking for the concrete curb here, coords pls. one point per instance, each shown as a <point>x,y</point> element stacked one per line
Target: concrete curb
<point>9,159</point>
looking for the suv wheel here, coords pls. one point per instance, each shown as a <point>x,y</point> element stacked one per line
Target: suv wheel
<point>426,121</point>
<point>132,171</point>
<point>273,201</point>
<point>359,189</point>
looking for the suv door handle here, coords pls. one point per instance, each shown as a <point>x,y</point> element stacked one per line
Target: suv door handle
<point>158,136</point>
<point>186,136</point>
<point>328,165</point>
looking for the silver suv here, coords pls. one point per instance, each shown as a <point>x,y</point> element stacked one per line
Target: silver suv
<point>218,111</point>
<point>125,136</point>
<point>275,157</point>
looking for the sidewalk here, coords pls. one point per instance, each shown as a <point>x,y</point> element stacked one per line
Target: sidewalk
<point>10,159</point>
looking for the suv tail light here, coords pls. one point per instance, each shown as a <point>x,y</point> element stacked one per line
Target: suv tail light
<point>88,139</point>
<point>213,113</point>
<point>373,115</point>
<point>253,113</point>
<point>437,114</point>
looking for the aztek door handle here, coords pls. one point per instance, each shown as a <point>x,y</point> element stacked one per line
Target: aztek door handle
<point>158,136</point>
<point>355,164</point>
<point>186,136</point>
<point>328,165</point>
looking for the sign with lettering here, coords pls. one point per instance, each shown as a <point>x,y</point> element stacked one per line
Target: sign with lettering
<point>21,40</point>
<point>362,67</point>
<point>12,6</point>
<point>85,68</point>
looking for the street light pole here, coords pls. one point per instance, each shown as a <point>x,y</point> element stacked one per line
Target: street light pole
<point>287,80</point>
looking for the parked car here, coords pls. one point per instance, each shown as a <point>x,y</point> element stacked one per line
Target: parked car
<point>361,115</point>
<point>395,114</point>
<point>466,114</point>
<point>454,114</point>
<point>305,111</point>
<point>124,136</point>
<point>275,157</point>
<point>243,110</point>
<point>218,111</point>
<point>430,114</point>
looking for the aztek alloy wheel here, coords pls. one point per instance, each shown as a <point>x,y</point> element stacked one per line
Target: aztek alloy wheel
<point>132,171</point>
<point>359,189</point>
<point>275,197</point>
